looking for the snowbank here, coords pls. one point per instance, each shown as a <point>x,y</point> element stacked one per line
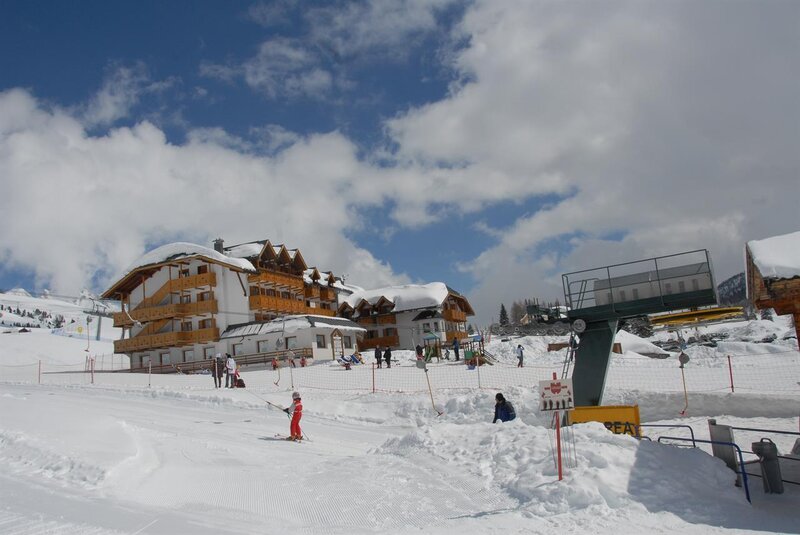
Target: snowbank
<point>777,257</point>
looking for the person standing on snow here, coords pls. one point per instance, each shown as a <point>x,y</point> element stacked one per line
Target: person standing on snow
<point>378,355</point>
<point>295,410</point>
<point>419,352</point>
<point>230,369</point>
<point>387,356</point>
<point>520,355</point>
<point>217,369</point>
<point>503,410</point>
<point>455,347</point>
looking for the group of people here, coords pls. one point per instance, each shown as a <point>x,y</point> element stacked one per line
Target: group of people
<point>383,356</point>
<point>226,366</point>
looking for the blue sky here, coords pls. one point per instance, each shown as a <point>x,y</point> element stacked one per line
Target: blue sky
<point>489,145</point>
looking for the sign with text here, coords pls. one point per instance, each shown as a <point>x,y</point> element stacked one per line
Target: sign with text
<point>619,419</point>
<point>556,395</point>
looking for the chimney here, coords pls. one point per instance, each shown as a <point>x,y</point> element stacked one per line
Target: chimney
<point>218,243</point>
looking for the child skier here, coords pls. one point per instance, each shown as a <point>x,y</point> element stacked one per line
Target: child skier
<point>296,411</point>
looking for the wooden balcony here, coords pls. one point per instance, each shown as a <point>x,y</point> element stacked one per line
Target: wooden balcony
<point>277,304</point>
<point>327,294</point>
<point>449,335</point>
<point>383,341</point>
<point>311,292</point>
<point>451,314</point>
<point>278,280</point>
<point>156,313</point>
<point>320,311</point>
<point>178,285</point>
<point>171,339</point>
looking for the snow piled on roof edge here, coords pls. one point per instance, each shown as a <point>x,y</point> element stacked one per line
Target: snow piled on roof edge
<point>777,257</point>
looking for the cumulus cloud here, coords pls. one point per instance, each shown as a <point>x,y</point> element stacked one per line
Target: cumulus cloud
<point>670,124</point>
<point>78,206</point>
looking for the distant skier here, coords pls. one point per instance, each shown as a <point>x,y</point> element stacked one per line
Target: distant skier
<point>503,410</point>
<point>455,347</point>
<point>295,410</point>
<point>387,356</point>
<point>520,355</point>
<point>230,369</point>
<point>378,355</point>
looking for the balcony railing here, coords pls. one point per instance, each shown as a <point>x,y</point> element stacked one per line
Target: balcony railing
<point>327,294</point>
<point>179,310</point>
<point>320,311</point>
<point>383,341</point>
<point>277,304</point>
<point>278,279</point>
<point>178,285</point>
<point>171,339</point>
<point>311,291</point>
<point>451,314</point>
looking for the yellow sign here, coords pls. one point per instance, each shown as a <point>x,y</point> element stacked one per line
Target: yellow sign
<point>79,329</point>
<point>619,419</point>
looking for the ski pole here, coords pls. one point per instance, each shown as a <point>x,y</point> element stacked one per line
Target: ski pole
<point>431,391</point>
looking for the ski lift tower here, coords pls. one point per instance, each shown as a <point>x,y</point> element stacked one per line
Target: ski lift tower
<point>597,299</point>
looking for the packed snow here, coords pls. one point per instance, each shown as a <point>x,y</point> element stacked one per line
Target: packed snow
<point>128,453</point>
<point>777,257</point>
<point>406,297</point>
<point>173,251</point>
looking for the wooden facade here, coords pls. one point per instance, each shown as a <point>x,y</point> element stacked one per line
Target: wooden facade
<point>177,304</point>
<point>780,294</point>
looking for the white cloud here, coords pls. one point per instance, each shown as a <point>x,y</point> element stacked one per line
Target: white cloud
<point>75,204</point>
<point>672,123</point>
<point>121,91</point>
<point>375,27</point>
<point>284,67</point>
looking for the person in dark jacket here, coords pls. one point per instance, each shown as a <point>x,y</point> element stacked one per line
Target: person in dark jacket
<point>378,355</point>
<point>387,356</point>
<point>503,410</point>
<point>455,347</point>
<point>419,352</point>
<point>217,369</point>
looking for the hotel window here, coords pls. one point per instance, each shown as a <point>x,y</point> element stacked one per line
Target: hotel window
<point>320,341</point>
<point>426,327</point>
<point>622,296</point>
<point>164,358</point>
<point>348,342</point>
<point>186,325</point>
<point>204,296</point>
<point>237,349</point>
<point>436,326</point>
<point>145,360</point>
<point>636,293</point>
<point>681,286</point>
<point>391,331</point>
<point>186,299</point>
<point>667,288</point>
<point>263,346</point>
<point>202,269</point>
<point>184,272</point>
<point>208,352</point>
<point>205,324</point>
<point>291,342</point>
<point>188,355</point>
<point>695,285</point>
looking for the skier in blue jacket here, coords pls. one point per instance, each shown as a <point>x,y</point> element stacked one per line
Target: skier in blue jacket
<point>503,410</point>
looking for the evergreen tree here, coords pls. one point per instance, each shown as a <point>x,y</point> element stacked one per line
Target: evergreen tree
<point>503,315</point>
<point>517,311</point>
<point>470,329</point>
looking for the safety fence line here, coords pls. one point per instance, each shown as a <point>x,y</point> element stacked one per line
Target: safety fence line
<point>781,377</point>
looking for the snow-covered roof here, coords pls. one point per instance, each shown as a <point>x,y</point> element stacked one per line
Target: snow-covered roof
<point>245,250</point>
<point>777,257</point>
<point>406,297</point>
<point>174,251</point>
<point>290,324</point>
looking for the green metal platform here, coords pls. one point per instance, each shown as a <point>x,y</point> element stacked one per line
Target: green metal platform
<point>601,297</point>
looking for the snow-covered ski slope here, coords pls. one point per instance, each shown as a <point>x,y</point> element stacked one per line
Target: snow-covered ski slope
<point>179,456</point>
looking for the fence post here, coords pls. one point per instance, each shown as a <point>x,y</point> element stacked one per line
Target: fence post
<point>730,370</point>
<point>91,365</point>
<point>40,371</point>
<point>478,369</point>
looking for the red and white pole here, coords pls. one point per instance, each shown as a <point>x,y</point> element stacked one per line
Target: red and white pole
<point>730,371</point>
